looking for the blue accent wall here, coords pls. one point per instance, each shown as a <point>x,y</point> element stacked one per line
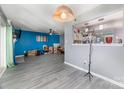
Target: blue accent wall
<point>28,41</point>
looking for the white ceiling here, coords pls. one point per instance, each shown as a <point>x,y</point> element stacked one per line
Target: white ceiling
<point>38,17</point>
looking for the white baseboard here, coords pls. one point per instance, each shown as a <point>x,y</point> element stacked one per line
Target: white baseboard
<point>97,75</point>
<point>2,71</point>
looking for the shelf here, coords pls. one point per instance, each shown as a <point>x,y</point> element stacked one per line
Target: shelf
<point>114,44</point>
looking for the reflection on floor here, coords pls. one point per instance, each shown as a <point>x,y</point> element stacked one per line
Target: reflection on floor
<point>1,71</point>
<point>49,71</point>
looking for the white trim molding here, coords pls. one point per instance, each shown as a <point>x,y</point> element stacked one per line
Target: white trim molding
<point>97,75</point>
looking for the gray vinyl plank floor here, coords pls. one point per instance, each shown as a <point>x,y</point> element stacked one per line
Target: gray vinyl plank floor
<point>49,72</point>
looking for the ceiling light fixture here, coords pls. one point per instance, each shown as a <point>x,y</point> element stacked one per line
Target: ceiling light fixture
<point>86,24</point>
<point>63,14</point>
<point>101,19</point>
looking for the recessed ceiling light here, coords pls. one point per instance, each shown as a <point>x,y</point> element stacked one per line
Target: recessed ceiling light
<point>86,23</point>
<point>101,19</point>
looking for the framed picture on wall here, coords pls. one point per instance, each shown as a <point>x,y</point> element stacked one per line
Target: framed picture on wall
<point>41,38</point>
<point>45,38</point>
<point>38,38</point>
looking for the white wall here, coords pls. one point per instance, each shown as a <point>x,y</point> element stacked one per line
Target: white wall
<point>3,23</point>
<point>62,40</point>
<point>107,61</point>
<point>3,47</point>
<point>0,42</point>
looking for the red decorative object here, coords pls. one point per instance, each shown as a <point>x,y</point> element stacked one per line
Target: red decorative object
<point>109,39</point>
<point>78,30</point>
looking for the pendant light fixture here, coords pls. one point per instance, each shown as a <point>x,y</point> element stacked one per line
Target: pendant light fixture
<point>63,14</point>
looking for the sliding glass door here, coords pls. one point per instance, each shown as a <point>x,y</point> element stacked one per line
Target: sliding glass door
<point>9,46</point>
<point>6,47</point>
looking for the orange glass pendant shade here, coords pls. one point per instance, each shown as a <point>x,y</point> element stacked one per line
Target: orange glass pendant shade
<point>63,14</point>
